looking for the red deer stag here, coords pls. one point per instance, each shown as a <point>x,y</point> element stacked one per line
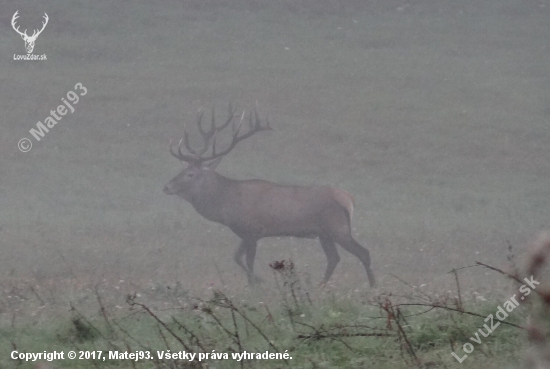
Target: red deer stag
<point>254,209</point>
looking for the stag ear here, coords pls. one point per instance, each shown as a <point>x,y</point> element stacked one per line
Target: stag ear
<point>214,163</point>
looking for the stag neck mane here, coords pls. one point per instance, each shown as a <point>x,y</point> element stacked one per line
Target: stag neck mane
<point>214,189</point>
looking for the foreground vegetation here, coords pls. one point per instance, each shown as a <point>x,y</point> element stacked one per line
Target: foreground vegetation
<point>171,329</point>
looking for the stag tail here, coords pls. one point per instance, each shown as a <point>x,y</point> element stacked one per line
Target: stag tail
<point>346,200</point>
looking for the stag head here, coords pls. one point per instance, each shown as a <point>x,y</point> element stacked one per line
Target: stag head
<point>29,40</point>
<point>192,179</point>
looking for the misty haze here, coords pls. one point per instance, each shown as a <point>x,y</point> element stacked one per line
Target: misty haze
<point>424,127</point>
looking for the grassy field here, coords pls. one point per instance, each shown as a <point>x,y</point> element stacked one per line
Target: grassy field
<point>433,114</point>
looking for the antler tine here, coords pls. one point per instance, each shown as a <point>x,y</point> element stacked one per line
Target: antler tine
<point>184,157</point>
<point>200,113</point>
<point>206,135</point>
<point>258,123</point>
<point>237,127</point>
<point>214,146</point>
<point>46,18</point>
<point>186,143</point>
<point>13,19</point>
<point>196,156</point>
<point>254,127</point>
<point>203,133</point>
<point>213,128</point>
<point>186,136</point>
<point>250,122</point>
<point>230,117</point>
<point>181,156</point>
<point>267,122</point>
<point>176,154</point>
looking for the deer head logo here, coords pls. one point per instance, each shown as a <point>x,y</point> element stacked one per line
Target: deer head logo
<point>29,40</point>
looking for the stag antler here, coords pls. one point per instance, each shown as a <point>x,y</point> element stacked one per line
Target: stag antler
<point>13,19</point>
<point>196,156</point>
<point>24,34</point>
<point>46,19</point>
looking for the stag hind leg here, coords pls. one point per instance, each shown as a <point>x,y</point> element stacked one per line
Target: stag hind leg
<point>332,257</point>
<point>352,246</point>
<point>338,229</point>
<point>247,249</point>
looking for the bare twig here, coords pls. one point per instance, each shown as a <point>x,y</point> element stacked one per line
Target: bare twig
<point>130,300</point>
<point>515,278</point>
<point>458,311</point>
<point>103,310</point>
<point>459,303</point>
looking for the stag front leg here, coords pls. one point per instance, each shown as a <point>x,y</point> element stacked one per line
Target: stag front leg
<point>238,257</point>
<point>332,257</point>
<point>247,249</point>
<point>250,247</point>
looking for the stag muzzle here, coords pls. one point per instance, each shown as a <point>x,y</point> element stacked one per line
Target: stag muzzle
<point>169,189</point>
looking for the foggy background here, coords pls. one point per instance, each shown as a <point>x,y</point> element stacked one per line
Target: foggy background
<point>433,114</point>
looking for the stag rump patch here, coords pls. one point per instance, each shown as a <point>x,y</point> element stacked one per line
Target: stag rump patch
<point>29,40</point>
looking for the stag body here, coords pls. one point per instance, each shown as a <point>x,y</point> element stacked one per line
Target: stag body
<point>254,209</point>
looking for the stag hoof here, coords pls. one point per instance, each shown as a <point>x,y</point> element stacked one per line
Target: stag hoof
<point>323,284</point>
<point>372,279</point>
